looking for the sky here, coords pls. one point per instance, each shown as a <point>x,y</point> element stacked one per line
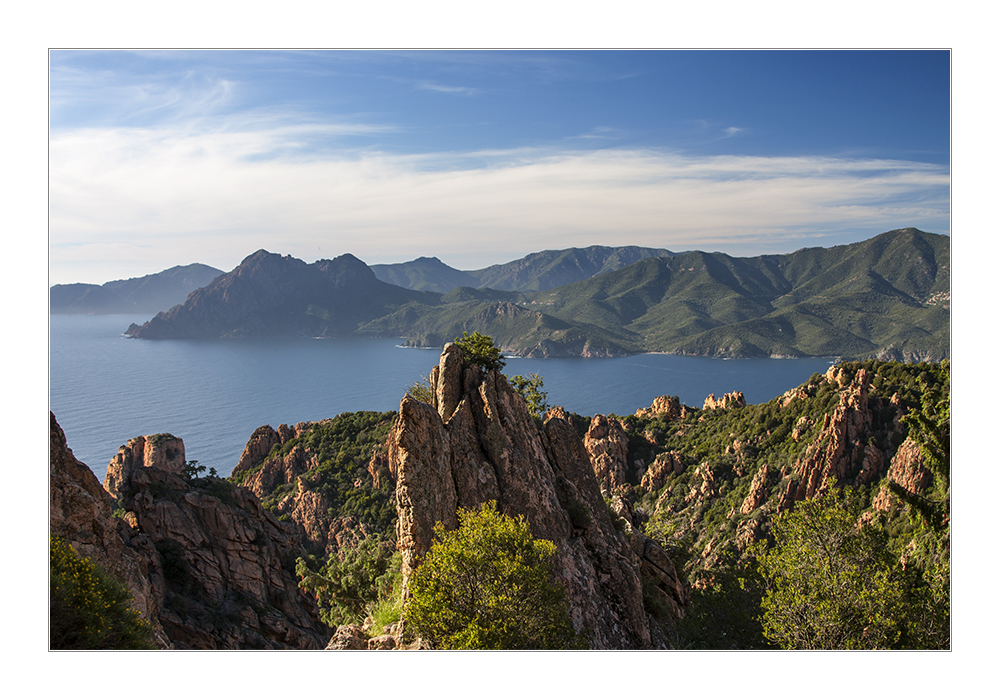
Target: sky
<point>162,158</point>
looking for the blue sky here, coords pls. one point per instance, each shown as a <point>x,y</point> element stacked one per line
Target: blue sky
<point>480,157</point>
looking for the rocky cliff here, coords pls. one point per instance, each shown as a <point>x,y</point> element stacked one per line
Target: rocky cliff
<point>206,564</point>
<point>733,399</point>
<point>224,568</point>
<point>477,443</point>
<point>607,446</point>
<point>80,512</point>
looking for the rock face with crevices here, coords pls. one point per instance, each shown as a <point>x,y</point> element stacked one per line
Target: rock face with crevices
<point>840,449</point>
<point>732,399</point>
<point>221,567</point>
<point>206,565</point>
<point>908,470</point>
<point>479,443</point>
<point>607,445</point>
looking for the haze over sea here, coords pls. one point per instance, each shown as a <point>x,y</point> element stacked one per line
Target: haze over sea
<point>105,389</point>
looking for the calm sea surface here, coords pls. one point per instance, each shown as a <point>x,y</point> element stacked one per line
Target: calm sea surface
<point>105,389</point>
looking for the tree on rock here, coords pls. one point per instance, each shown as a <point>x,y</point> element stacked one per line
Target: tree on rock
<point>489,585</point>
<point>479,349</point>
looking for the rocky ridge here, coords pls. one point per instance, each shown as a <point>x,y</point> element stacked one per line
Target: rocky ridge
<point>478,443</point>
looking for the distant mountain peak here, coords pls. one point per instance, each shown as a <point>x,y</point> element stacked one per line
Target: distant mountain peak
<point>147,294</point>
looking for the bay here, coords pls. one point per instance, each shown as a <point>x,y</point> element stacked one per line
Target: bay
<point>105,389</point>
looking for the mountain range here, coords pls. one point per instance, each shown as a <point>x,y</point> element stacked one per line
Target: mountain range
<point>532,273</point>
<point>888,297</point>
<point>147,294</point>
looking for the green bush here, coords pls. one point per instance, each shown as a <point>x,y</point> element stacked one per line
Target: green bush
<point>355,582</point>
<point>489,585</point>
<point>89,609</point>
<point>831,583</point>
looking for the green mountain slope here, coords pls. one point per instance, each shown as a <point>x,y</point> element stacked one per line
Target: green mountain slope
<point>887,296</point>
<point>555,268</point>
<point>535,272</point>
<point>424,274</point>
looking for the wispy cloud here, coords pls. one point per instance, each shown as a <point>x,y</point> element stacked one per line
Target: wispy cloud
<point>454,89</point>
<point>132,201</point>
<point>731,131</point>
<point>603,132</point>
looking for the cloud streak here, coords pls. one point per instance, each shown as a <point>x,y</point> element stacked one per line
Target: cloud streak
<point>453,89</point>
<point>127,202</point>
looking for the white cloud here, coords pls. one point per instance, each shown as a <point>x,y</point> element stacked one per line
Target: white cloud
<point>127,202</point>
<point>436,87</point>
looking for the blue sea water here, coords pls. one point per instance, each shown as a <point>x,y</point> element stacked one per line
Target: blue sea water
<point>105,389</point>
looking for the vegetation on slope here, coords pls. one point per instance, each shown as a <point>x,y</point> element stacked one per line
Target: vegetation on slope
<point>875,570</point>
<point>355,582</point>
<point>722,545</point>
<point>88,608</point>
<point>888,294</point>
<point>343,447</point>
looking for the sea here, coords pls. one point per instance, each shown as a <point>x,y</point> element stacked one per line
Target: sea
<point>105,388</point>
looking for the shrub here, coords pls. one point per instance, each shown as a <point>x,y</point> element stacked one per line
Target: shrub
<point>422,391</point>
<point>354,582</point>
<point>530,389</point>
<point>89,609</point>
<point>489,585</point>
<point>831,583</point>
